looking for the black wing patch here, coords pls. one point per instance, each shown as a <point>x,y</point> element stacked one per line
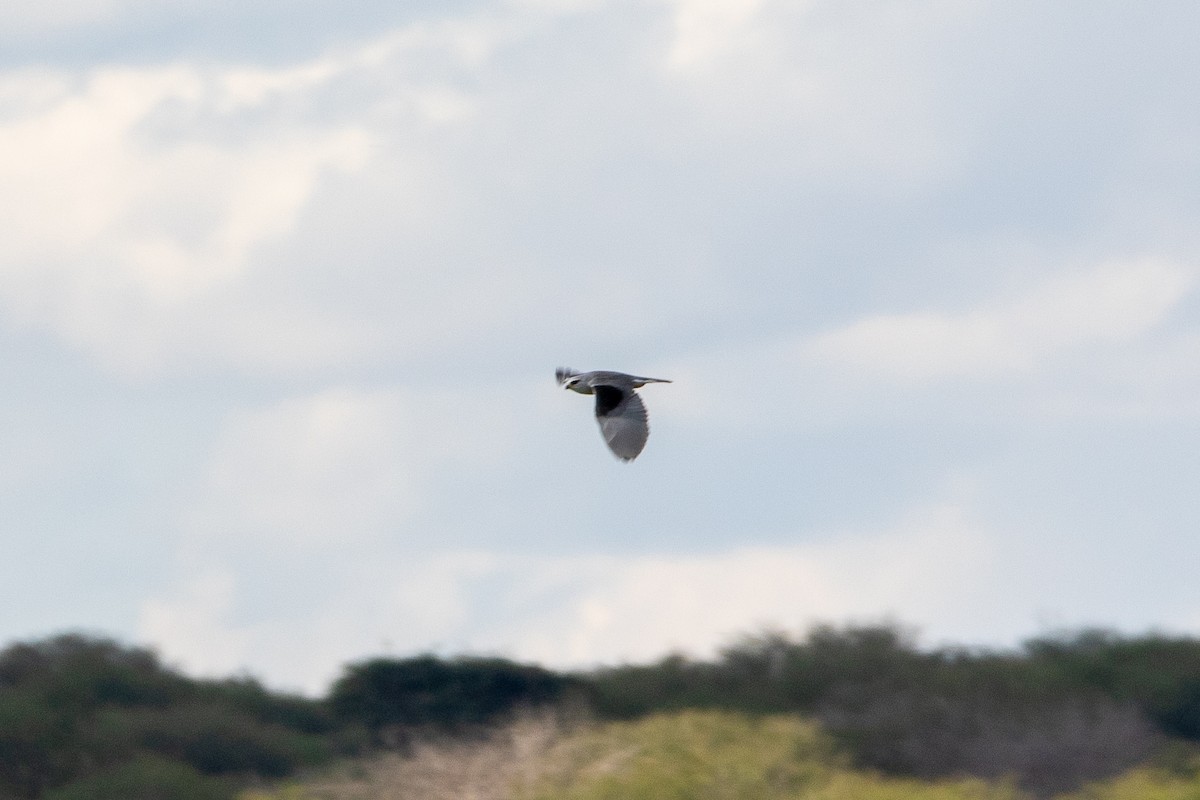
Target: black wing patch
<point>607,399</point>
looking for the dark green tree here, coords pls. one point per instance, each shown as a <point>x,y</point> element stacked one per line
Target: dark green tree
<point>427,691</point>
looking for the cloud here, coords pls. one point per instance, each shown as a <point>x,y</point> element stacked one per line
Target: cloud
<point>583,610</point>
<point>127,214</point>
<point>212,621</point>
<point>1095,341</point>
<point>372,254</point>
<point>341,465</point>
<point>149,209</point>
<point>30,17</point>
<point>182,215</point>
<point>193,628</point>
<point>704,29</point>
<point>325,465</point>
<point>637,608</point>
<point>834,96</point>
<point>1104,306</point>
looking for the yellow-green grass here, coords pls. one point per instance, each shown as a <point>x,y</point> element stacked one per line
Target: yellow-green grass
<point>709,755</point>
<point>690,755</point>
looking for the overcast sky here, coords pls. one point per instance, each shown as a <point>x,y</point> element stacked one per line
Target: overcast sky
<point>283,286</point>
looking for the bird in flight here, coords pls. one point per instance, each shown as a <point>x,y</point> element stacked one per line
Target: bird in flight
<point>619,410</point>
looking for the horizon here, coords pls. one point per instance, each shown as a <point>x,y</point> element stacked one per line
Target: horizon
<point>908,637</point>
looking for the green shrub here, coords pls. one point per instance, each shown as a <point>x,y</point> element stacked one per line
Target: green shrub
<point>76,709</point>
<point>1160,673</point>
<point>218,739</point>
<point>430,692</point>
<point>146,779</point>
<point>81,672</point>
<point>36,745</point>
<point>251,698</point>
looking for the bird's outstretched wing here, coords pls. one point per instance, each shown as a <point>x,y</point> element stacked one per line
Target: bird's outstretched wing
<point>562,373</point>
<point>622,419</point>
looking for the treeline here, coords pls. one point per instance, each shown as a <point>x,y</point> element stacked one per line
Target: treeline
<point>85,717</point>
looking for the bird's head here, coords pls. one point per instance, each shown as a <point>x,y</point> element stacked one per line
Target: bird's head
<point>572,381</point>
<point>576,383</point>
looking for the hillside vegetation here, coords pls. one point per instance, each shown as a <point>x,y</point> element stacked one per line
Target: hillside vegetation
<point>1091,713</point>
<point>686,755</point>
<point>87,718</point>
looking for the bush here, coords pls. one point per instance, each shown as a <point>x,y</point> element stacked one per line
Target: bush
<point>220,740</point>
<point>1046,745</point>
<point>768,673</point>
<point>75,708</point>
<point>82,672</point>
<point>251,698</point>
<point>35,745</point>
<point>429,692</point>
<point>146,779</point>
<point>1161,674</point>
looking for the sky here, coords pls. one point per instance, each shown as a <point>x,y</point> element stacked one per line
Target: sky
<point>283,286</point>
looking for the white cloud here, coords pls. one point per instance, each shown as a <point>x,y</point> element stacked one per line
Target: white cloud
<point>832,95</point>
<point>342,464</point>
<point>1111,304</point>
<point>194,629</point>
<point>209,624</point>
<point>326,465</point>
<point>706,29</point>
<point>90,173</point>
<point>123,219</point>
<point>146,207</point>
<point>32,17</point>
<point>636,608</point>
<point>1091,342</point>
<point>161,216</point>
<point>460,198</point>
<point>581,610</point>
